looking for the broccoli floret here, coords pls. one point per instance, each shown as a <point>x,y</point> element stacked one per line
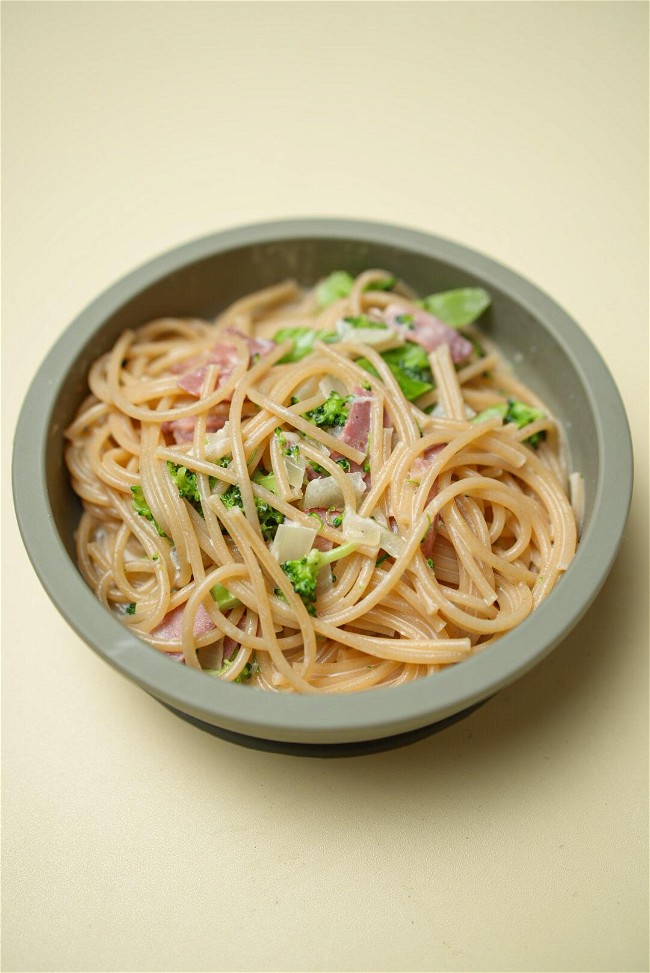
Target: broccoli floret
<point>268,516</point>
<point>333,412</point>
<point>232,497</point>
<point>141,507</point>
<point>267,480</point>
<point>303,573</point>
<point>517,412</point>
<point>185,480</point>
<point>187,484</point>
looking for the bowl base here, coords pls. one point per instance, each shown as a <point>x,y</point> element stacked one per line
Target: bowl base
<point>356,749</point>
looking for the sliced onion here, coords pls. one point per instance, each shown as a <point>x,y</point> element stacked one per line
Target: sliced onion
<point>376,337</point>
<point>363,529</point>
<point>292,541</point>
<point>330,384</point>
<point>215,441</point>
<point>392,543</point>
<point>325,491</point>
<point>322,492</point>
<point>295,467</point>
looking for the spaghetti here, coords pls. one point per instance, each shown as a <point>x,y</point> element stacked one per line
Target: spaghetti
<point>322,491</point>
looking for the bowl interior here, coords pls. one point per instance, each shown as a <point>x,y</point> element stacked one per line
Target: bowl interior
<point>204,287</point>
<point>548,350</point>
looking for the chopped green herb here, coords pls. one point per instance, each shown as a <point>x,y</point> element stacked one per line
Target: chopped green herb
<point>130,608</point>
<point>280,436</point>
<point>380,560</point>
<point>142,508</point>
<point>337,520</point>
<point>224,461</point>
<point>430,563</point>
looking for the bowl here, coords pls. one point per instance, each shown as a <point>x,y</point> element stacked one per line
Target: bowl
<point>198,279</point>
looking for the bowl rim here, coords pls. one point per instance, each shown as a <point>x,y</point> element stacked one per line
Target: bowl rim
<point>325,718</point>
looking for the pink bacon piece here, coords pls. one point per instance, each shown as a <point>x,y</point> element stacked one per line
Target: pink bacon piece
<point>183,429</point>
<point>169,629</point>
<point>427,331</point>
<point>225,356</point>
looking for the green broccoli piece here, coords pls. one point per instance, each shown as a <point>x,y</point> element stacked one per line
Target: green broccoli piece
<point>362,321</point>
<point>268,516</point>
<point>333,412</point>
<point>250,669</point>
<point>459,307</point>
<point>187,484</point>
<point>333,288</point>
<point>517,412</point>
<point>267,480</point>
<point>222,597</point>
<point>232,497</point>
<point>303,341</point>
<point>142,508</point>
<point>385,284</point>
<point>185,480</point>
<point>303,573</point>
<point>410,365</point>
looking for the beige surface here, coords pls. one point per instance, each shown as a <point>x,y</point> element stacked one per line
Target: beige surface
<point>514,840</point>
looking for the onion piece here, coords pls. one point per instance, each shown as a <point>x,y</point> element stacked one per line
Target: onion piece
<point>292,542</point>
<point>363,529</point>
<point>295,467</point>
<point>392,543</point>
<point>325,491</point>
<point>215,441</point>
<point>332,384</point>
<point>376,337</point>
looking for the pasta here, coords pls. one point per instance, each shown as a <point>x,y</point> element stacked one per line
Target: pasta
<point>322,491</point>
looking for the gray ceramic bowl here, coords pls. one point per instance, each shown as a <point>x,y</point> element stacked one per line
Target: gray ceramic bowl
<point>200,278</point>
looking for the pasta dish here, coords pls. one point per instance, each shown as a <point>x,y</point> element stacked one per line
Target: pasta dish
<point>323,490</point>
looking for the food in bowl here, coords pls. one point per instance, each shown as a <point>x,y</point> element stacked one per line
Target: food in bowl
<point>324,490</point>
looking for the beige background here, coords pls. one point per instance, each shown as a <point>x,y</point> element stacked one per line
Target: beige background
<point>512,841</point>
